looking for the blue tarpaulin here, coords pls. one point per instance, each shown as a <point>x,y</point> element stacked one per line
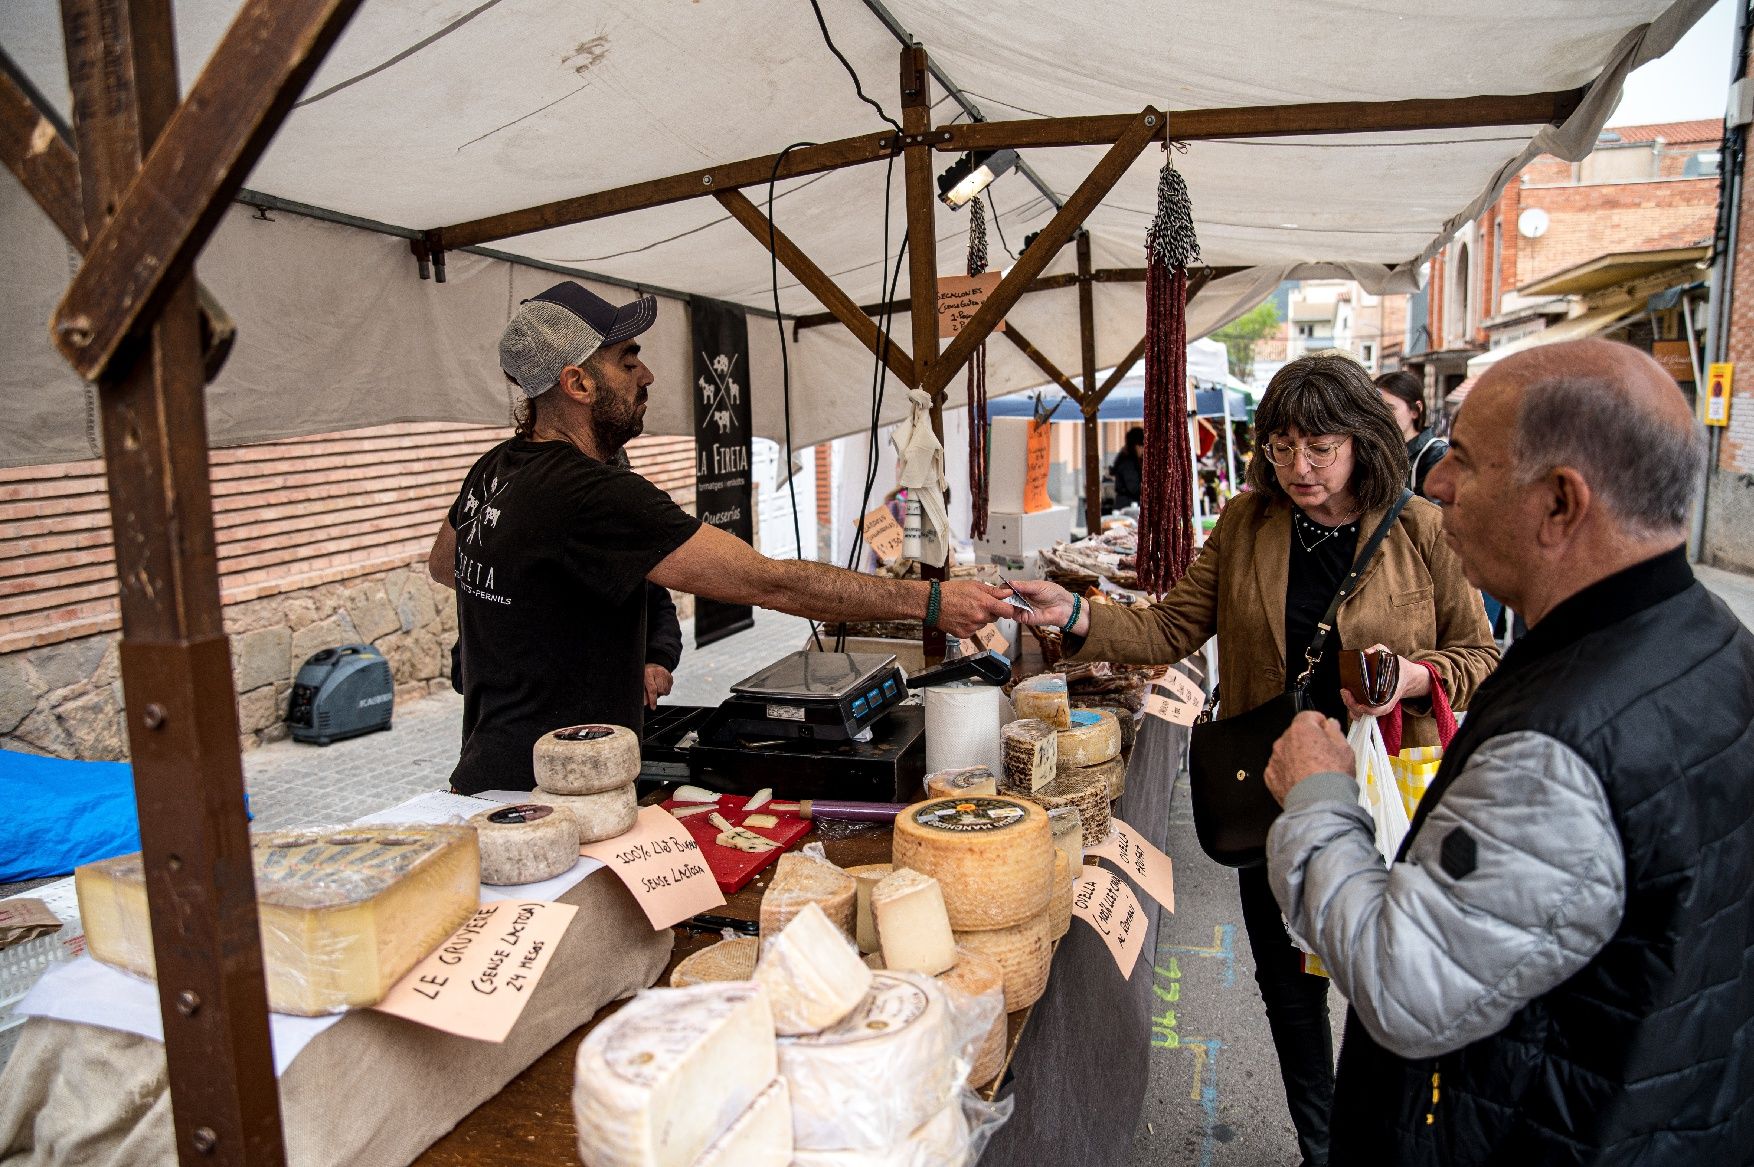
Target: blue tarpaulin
<point>60,814</point>
<point>1126,402</point>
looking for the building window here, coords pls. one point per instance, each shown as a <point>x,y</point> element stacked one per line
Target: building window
<point>1369,351</point>
<point>1705,164</point>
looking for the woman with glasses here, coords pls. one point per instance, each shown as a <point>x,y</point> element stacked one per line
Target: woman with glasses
<point>1329,463</point>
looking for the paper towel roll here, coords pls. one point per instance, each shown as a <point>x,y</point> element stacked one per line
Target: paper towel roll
<point>962,727</point>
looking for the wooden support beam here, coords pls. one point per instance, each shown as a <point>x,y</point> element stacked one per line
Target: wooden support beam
<point>1272,121</point>
<point>922,255</point>
<point>43,164</point>
<point>208,146</point>
<point>1029,265</point>
<point>176,665</point>
<point>839,304</point>
<point>1092,401</point>
<point>1016,337</point>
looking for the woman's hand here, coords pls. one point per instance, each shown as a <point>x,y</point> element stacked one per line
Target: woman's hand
<point>1052,604</point>
<point>1412,682</point>
<point>965,606</point>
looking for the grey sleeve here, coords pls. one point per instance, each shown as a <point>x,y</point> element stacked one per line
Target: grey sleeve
<point>1514,882</point>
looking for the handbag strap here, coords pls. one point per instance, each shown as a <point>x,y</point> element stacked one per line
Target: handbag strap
<point>1441,713</point>
<point>1313,655</point>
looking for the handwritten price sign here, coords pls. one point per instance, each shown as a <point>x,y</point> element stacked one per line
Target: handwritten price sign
<point>1175,699</point>
<point>477,983</point>
<point>662,866</point>
<point>1150,868</point>
<point>1103,900</point>
<point>960,297</point>
<point>883,534</point>
<point>987,638</point>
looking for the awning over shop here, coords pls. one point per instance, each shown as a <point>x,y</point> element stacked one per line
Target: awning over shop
<point>1621,267</point>
<point>1592,323</point>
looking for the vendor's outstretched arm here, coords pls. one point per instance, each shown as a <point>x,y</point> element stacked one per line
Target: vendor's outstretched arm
<point>720,566</point>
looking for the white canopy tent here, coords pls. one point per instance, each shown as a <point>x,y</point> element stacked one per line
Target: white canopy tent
<point>428,114</point>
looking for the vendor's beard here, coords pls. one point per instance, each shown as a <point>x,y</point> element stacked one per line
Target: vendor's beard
<point>615,423</point>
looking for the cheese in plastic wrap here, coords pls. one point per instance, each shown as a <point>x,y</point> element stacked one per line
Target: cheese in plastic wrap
<point>344,913</point>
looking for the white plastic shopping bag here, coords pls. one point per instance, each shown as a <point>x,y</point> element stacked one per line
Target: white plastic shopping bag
<point>1378,792</point>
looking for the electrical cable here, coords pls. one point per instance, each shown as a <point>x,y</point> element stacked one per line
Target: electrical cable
<point>848,66</point>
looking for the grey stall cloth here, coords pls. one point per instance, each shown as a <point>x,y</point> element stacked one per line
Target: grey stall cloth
<point>370,1091</point>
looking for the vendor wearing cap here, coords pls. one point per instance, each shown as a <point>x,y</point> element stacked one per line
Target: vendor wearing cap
<point>549,545</point>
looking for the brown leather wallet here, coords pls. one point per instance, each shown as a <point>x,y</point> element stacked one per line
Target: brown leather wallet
<point>1371,677</point>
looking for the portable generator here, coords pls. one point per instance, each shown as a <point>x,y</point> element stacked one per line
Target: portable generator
<point>341,693</point>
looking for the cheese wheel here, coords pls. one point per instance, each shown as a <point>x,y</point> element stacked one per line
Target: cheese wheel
<point>976,975</point>
<point>1112,774</point>
<point>1060,907</point>
<point>913,928</point>
<point>600,816</point>
<point>1031,752</point>
<point>1023,953</point>
<point>940,1141</point>
<point>1088,792</point>
<point>761,1137</point>
<point>586,759</point>
<point>877,1074</point>
<point>1093,738</point>
<point>728,960</point>
<point>1067,826</point>
<point>800,879</point>
<point>866,876</point>
<point>993,857</point>
<point>662,1079</point>
<point>964,782</point>
<point>812,973</point>
<point>526,843</point>
<point>1123,716</point>
<point>1043,697</point>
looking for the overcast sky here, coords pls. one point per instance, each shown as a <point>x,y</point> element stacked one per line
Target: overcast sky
<point>1692,81</point>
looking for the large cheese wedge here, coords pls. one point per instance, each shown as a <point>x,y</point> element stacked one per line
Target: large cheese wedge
<point>586,759</point>
<point>912,926</point>
<point>800,879</point>
<point>525,843</point>
<point>976,975</point>
<point>728,960</point>
<point>867,876</point>
<point>600,816</point>
<point>1093,738</point>
<point>884,1069</point>
<point>961,783</point>
<point>1060,907</point>
<point>1024,953</point>
<point>812,973</point>
<point>660,1081</point>
<point>1043,697</point>
<point>762,1137</point>
<point>993,857</point>
<point>1067,826</point>
<point>1085,790</point>
<point>344,913</point>
<point>940,1141</point>
<point>1031,751</point>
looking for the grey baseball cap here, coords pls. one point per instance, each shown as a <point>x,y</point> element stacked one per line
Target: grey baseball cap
<point>562,327</point>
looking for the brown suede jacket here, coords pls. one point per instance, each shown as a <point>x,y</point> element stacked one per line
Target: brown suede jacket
<point>1412,598</point>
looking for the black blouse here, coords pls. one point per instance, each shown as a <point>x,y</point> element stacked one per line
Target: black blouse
<point>1320,558</point>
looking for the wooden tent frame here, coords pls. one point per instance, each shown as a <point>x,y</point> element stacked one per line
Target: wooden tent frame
<point>140,198</point>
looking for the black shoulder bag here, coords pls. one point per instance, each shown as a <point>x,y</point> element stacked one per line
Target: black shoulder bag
<point>1227,758</point>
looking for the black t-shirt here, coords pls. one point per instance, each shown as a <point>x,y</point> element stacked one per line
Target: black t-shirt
<point>1320,558</point>
<point>553,548</point>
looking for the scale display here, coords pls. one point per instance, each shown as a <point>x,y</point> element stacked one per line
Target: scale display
<point>829,695</point>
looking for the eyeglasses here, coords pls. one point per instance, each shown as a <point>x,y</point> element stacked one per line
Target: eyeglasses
<point>1320,454</point>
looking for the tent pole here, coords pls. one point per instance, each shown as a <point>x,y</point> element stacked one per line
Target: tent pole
<point>1229,437</point>
<point>922,254</point>
<point>176,664</point>
<point>1091,402</point>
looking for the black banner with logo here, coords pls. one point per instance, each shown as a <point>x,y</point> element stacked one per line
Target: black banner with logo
<point>722,492</point>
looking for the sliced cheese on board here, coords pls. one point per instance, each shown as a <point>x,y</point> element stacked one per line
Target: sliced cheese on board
<point>874,1077</point>
<point>1023,953</point>
<point>1067,826</point>
<point>961,782</point>
<point>1093,738</point>
<point>940,1141</point>
<point>600,816</point>
<point>1060,907</point>
<point>526,843</point>
<point>1086,791</point>
<point>761,1137</point>
<point>728,960</point>
<point>658,1082</point>
<point>1043,697</point>
<point>976,975</point>
<point>812,973</point>
<point>586,759</point>
<point>913,927</point>
<point>1031,751</point>
<point>800,879</point>
<point>867,876</point>
<point>993,857</point>
<point>344,912</point>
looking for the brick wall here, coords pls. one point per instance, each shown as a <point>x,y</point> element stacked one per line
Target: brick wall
<point>1589,221</point>
<point>1729,523</point>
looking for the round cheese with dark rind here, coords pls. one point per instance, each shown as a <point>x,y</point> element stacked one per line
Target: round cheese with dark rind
<point>1023,952</point>
<point>1084,789</point>
<point>993,857</point>
<point>586,759</point>
<point>600,816</point>
<point>526,843</point>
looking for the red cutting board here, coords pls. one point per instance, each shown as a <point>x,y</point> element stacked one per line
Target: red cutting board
<point>731,868</point>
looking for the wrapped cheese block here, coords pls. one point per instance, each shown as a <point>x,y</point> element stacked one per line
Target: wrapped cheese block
<point>800,879</point>
<point>940,1141</point>
<point>600,816</point>
<point>1023,954</point>
<point>525,843</point>
<point>1043,697</point>
<point>344,912</point>
<point>660,1081</point>
<point>1093,737</point>
<point>993,857</point>
<point>728,960</point>
<point>961,783</point>
<point>1060,907</point>
<point>976,975</point>
<point>761,1136</point>
<point>1031,749</point>
<point>812,973</point>
<point>586,759</point>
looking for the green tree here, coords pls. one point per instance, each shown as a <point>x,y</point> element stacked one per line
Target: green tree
<point>1240,335</point>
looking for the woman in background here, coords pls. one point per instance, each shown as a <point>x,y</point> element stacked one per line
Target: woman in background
<point>1404,394</point>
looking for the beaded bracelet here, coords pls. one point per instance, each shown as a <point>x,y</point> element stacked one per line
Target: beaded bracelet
<point>1077,606</point>
<point>934,602</point>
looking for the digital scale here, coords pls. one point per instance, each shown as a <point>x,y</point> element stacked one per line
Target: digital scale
<point>833,696</point>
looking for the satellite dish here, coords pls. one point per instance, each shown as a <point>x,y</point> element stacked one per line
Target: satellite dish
<point>1532,223</point>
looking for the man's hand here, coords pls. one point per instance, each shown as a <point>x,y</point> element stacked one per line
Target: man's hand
<point>1412,681</point>
<point>1313,745</point>
<point>1052,603</point>
<point>659,682</point>
<point>965,606</point>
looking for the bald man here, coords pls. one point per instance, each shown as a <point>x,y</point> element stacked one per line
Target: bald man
<point>1559,965</point>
